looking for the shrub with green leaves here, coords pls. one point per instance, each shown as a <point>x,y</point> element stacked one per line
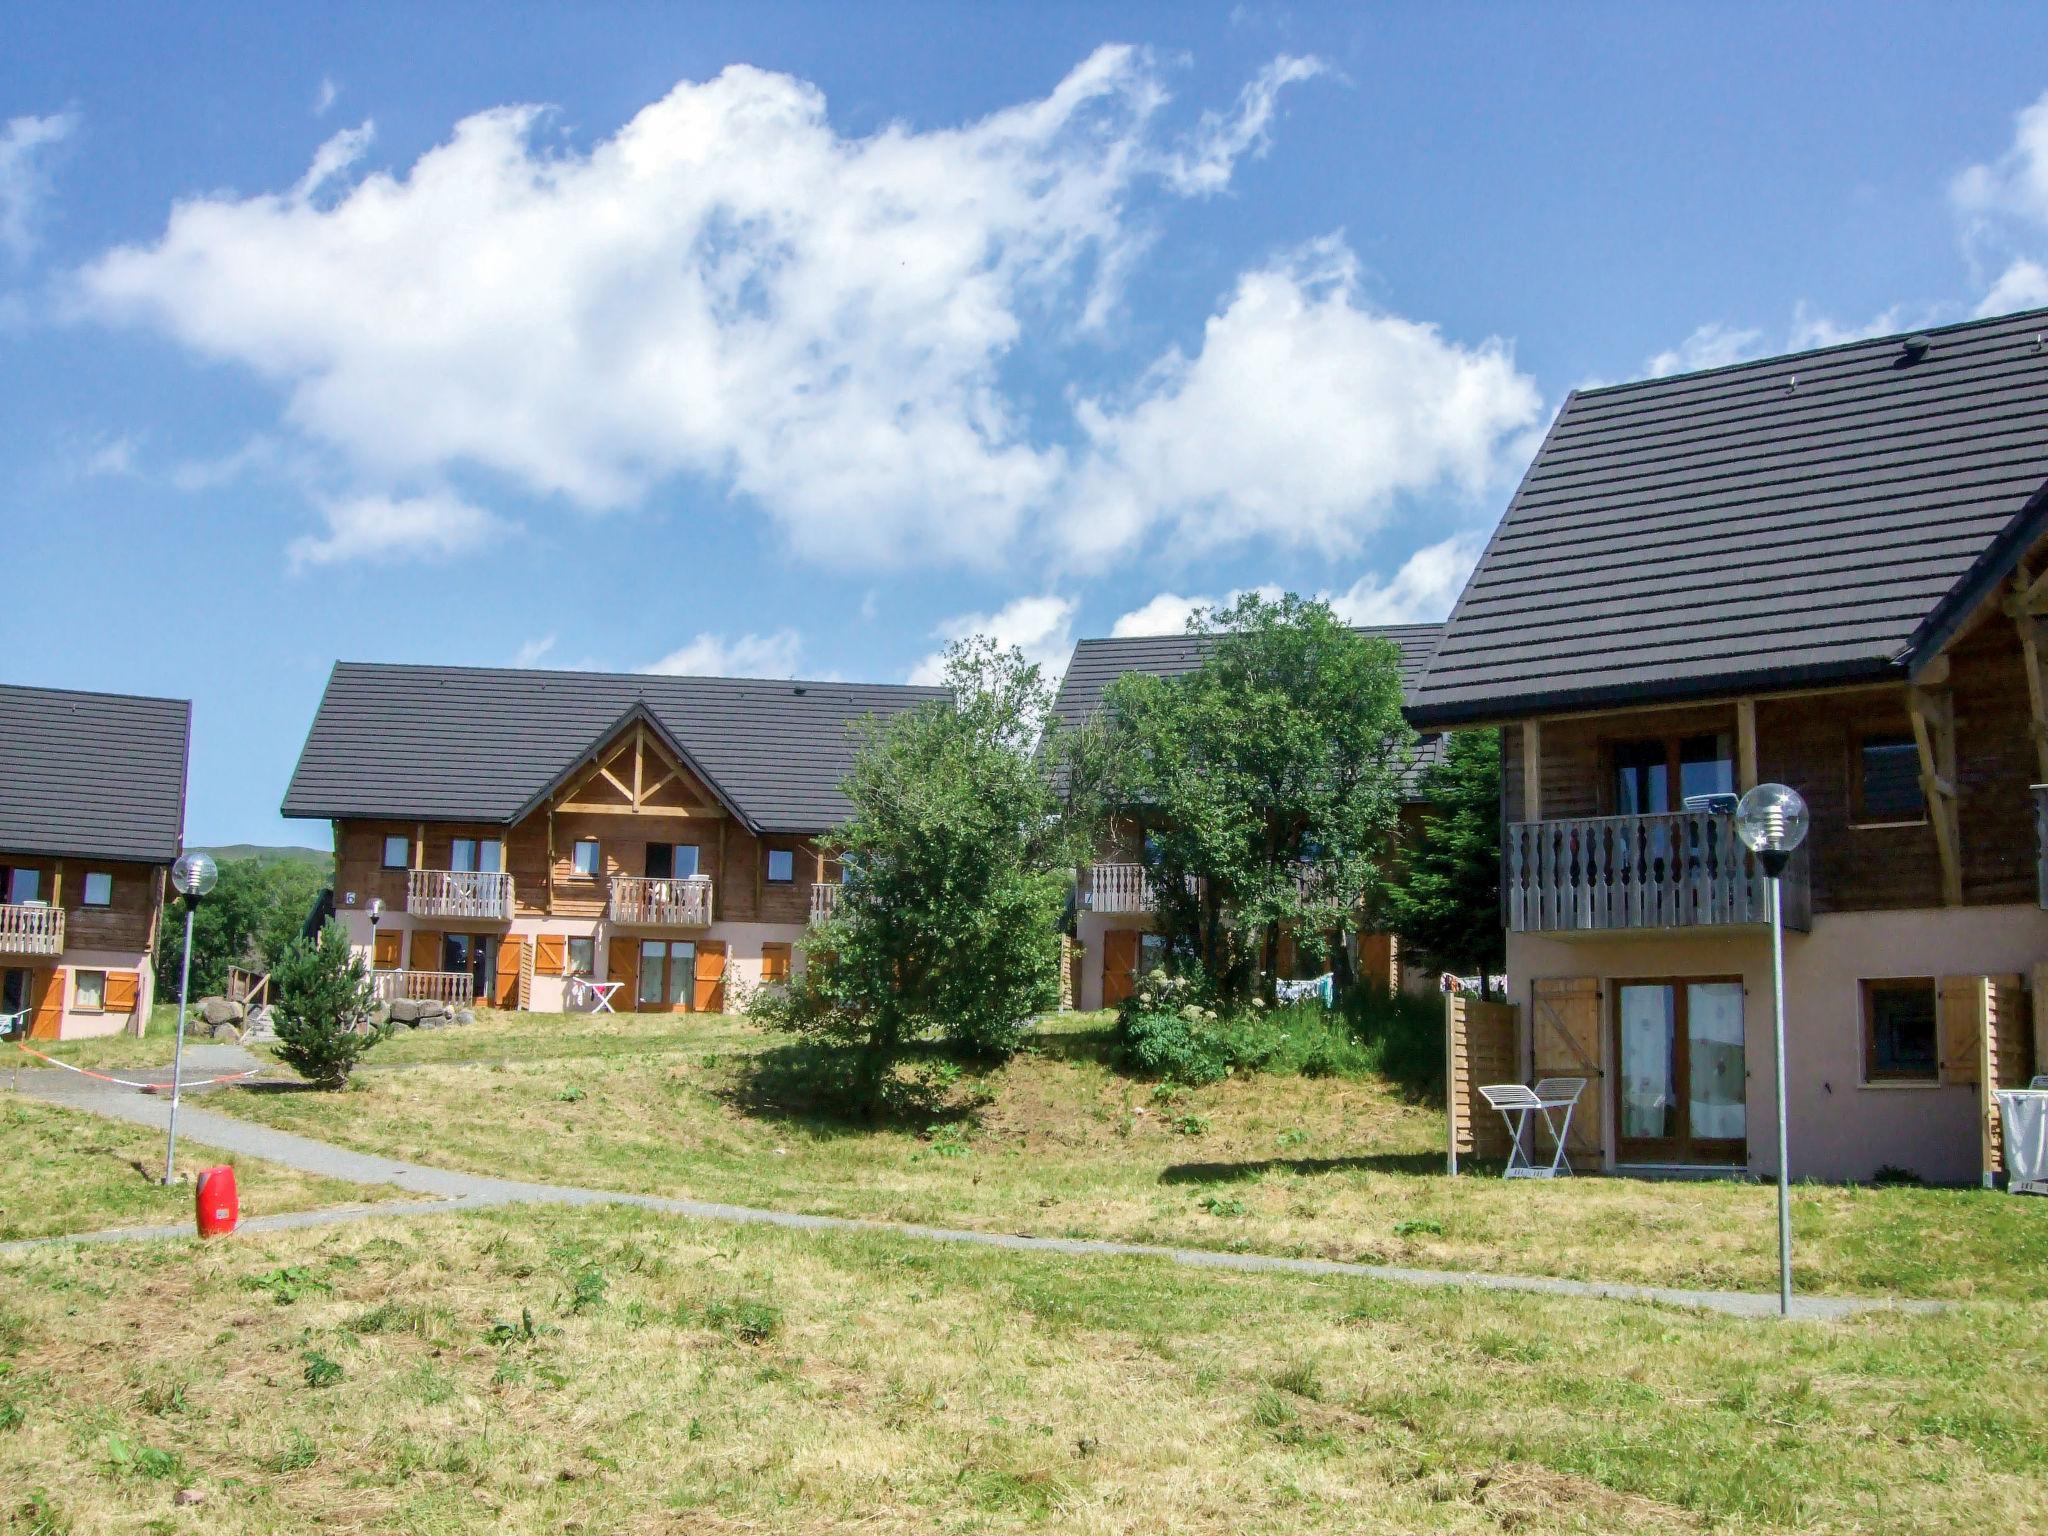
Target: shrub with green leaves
<point>324,999</point>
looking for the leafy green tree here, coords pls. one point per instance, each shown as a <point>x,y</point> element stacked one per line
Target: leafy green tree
<point>253,914</point>
<point>1446,902</point>
<point>323,997</point>
<point>1269,779</point>
<point>957,868</point>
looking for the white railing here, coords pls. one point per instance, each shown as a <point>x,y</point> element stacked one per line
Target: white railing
<point>1119,888</point>
<point>31,928</point>
<point>459,893</point>
<point>1685,869</point>
<point>456,988</point>
<point>824,901</point>
<point>657,903</point>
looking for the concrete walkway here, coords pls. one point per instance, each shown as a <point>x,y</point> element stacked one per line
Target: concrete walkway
<point>449,1190</point>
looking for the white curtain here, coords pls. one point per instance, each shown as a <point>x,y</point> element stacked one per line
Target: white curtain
<point>1713,1013</point>
<point>1648,1023</point>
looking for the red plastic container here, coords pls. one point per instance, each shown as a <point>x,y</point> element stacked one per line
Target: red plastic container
<point>218,1204</point>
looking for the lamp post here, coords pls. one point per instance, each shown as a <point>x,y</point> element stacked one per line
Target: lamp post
<point>1771,821</point>
<point>194,875</point>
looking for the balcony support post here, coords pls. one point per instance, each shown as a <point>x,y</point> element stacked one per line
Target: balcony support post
<point>1532,770</point>
<point>1934,733</point>
<point>2025,609</point>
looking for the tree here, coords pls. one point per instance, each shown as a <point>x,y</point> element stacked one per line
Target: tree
<point>1269,779</point>
<point>1447,900</point>
<point>253,914</point>
<point>323,995</point>
<point>957,866</point>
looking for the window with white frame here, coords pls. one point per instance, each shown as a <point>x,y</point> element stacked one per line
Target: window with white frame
<point>583,857</point>
<point>99,888</point>
<point>89,993</point>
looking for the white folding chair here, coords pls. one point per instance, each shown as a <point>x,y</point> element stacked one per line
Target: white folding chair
<point>1518,1104</point>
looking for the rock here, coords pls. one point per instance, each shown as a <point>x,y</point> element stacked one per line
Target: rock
<point>433,1010</point>
<point>431,1021</point>
<point>406,1011</point>
<point>227,1032</point>
<point>465,1016</point>
<point>218,1010</point>
<point>189,1496</point>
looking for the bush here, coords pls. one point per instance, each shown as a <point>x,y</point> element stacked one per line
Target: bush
<point>323,1000</point>
<point>1164,1029</point>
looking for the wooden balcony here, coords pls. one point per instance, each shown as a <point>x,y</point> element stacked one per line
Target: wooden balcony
<point>31,928</point>
<point>644,903</point>
<point>1114,888</point>
<point>824,901</point>
<point>455,988</point>
<point>480,894</point>
<point>1605,874</point>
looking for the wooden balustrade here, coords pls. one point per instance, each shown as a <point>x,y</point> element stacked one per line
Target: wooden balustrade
<point>824,901</point>
<point>1684,869</point>
<point>661,903</point>
<point>455,988</point>
<point>1119,888</point>
<point>484,894</point>
<point>249,988</point>
<point>31,928</point>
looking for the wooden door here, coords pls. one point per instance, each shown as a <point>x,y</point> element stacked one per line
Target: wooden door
<point>384,953</point>
<point>710,984</point>
<point>623,966</point>
<point>47,1023</point>
<point>1119,965</point>
<point>1564,1039</point>
<point>511,966</point>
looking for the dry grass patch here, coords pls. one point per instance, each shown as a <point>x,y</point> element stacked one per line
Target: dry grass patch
<point>1062,1145</point>
<point>608,1370</point>
<point>68,1171</point>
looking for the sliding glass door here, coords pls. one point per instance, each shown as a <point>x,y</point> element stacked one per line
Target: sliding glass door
<point>1680,1091</point>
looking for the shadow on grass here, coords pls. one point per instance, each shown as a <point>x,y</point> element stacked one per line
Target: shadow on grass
<point>1097,1045</point>
<point>275,1087</point>
<point>1410,1164</point>
<point>817,1086</point>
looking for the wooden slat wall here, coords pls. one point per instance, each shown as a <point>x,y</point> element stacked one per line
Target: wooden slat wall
<point>2006,1060</point>
<point>1480,1049</point>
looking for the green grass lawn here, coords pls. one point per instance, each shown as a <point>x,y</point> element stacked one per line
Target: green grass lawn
<point>708,1107</point>
<point>608,1370</point>
<point>68,1171</point>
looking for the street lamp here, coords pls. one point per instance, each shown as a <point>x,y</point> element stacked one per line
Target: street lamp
<point>194,875</point>
<point>1771,821</point>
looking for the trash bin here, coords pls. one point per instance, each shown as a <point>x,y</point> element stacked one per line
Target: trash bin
<point>2023,1119</point>
<point>218,1204</point>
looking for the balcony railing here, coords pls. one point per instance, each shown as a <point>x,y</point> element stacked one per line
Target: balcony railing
<point>1116,888</point>
<point>455,988</point>
<point>1686,869</point>
<point>459,893</point>
<point>824,901</point>
<point>662,903</point>
<point>31,928</point>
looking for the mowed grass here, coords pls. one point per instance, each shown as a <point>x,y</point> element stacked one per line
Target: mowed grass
<point>67,1171</point>
<point>1065,1146</point>
<point>549,1370</point>
<point>112,1053</point>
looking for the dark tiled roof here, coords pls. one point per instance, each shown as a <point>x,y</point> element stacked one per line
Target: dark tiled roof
<point>485,744</point>
<point>92,775</point>
<point>1098,663</point>
<point>1735,529</point>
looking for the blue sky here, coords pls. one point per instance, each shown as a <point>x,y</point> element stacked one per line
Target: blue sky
<point>797,339</point>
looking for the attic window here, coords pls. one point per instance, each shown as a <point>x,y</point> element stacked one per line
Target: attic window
<point>1887,782</point>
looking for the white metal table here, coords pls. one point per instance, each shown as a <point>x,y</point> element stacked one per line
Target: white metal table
<point>1519,1105</point>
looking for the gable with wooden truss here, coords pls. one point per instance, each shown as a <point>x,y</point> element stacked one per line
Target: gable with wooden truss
<point>639,772</point>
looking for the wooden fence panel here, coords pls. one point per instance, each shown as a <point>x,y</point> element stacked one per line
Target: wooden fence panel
<point>2007,1060</point>
<point>1479,1044</point>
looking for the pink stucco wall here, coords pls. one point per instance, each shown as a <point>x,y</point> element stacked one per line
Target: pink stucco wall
<point>1840,1128</point>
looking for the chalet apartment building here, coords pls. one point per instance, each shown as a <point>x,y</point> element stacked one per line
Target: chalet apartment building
<point>92,803</point>
<point>1827,570</point>
<point>1113,922</point>
<point>516,829</point>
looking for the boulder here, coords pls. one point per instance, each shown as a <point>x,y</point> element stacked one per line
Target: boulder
<point>433,1010</point>
<point>218,1010</point>
<point>227,1032</point>
<point>465,1016</point>
<point>432,1021</point>
<point>405,1011</point>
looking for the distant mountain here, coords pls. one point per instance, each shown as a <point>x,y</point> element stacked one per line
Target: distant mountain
<point>269,855</point>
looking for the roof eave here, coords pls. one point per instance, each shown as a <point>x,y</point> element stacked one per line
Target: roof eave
<point>1494,709</point>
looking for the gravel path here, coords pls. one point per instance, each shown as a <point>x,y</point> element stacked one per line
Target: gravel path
<point>449,1190</point>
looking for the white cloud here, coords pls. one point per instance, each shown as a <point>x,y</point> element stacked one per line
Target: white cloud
<point>2022,285</point>
<point>113,457</point>
<point>324,97</point>
<point>532,652</point>
<point>1204,165</point>
<point>430,527</point>
<point>1303,418</point>
<point>710,655</point>
<point>1711,346</point>
<point>1166,614</point>
<point>1810,330</point>
<point>1041,627</point>
<point>24,183</point>
<point>2004,208</point>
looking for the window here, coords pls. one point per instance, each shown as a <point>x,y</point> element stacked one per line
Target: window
<point>583,956</point>
<point>1899,1031</point>
<point>671,861</point>
<point>781,865</point>
<point>22,885</point>
<point>90,992</point>
<point>397,852</point>
<point>1658,775</point>
<point>668,972</point>
<point>471,855</point>
<point>99,888</point>
<point>1888,780</point>
<point>583,857</point>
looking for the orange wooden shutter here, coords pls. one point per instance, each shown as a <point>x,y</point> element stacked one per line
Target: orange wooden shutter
<point>123,987</point>
<point>710,996</point>
<point>426,949</point>
<point>511,961</point>
<point>1119,965</point>
<point>550,954</point>
<point>384,955</point>
<point>48,1020</point>
<point>1963,1004</point>
<point>625,967</point>
<point>774,962</point>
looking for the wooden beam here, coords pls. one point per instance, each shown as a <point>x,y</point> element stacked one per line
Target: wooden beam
<point>1934,733</point>
<point>1745,745</point>
<point>639,760</point>
<point>2029,626</point>
<point>682,812</point>
<point>1532,770</point>
<point>419,845</point>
